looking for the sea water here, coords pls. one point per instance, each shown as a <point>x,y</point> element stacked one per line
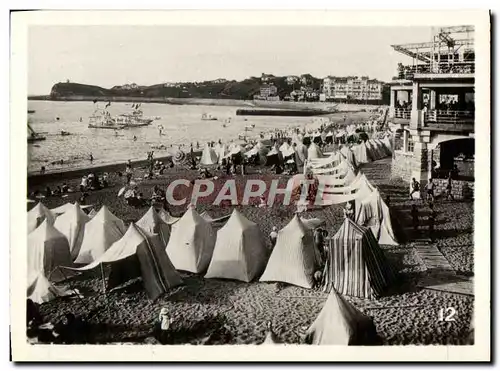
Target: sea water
<point>181,126</point>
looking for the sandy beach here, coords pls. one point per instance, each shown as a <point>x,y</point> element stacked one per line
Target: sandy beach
<point>211,311</point>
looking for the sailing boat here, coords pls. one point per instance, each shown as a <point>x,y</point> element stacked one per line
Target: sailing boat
<point>33,136</point>
<point>103,120</point>
<point>135,118</point>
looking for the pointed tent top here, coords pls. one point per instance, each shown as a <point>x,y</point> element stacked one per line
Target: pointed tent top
<point>349,224</point>
<point>238,221</point>
<point>191,215</point>
<point>75,211</point>
<point>40,210</point>
<point>104,215</point>
<point>133,235</point>
<point>296,224</point>
<point>46,231</point>
<point>151,218</point>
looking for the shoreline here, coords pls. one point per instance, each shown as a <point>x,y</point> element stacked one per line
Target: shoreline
<point>346,107</point>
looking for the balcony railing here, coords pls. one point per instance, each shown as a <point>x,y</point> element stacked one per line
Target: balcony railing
<point>408,72</point>
<point>445,119</point>
<point>402,113</point>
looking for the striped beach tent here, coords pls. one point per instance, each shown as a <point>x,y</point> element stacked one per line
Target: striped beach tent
<point>341,323</point>
<point>356,266</point>
<point>294,258</point>
<point>139,253</point>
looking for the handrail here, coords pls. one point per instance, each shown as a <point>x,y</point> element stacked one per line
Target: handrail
<point>407,72</point>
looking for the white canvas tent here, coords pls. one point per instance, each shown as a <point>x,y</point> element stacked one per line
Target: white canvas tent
<point>372,212</point>
<point>100,233</point>
<point>239,252</point>
<point>72,225</point>
<point>38,215</point>
<point>157,272</point>
<point>48,249</point>
<point>40,290</point>
<point>67,206</point>
<point>167,217</point>
<point>152,223</point>
<point>361,154</point>
<point>191,243</point>
<point>208,156</point>
<point>294,258</point>
<point>314,152</point>
<point>341,323</point>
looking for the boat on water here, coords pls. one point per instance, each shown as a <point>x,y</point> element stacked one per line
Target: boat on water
<point>33,136</point>
<point>135,118</point>
<point>31,111</point>
<point>207,117</point>
<point>103,120</point>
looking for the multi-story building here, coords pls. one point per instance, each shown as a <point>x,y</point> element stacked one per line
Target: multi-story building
<point>357,89</point>
<point>268,92</point>
<point>432,110</point>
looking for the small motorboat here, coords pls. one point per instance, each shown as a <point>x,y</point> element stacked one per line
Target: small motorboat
<point>64,133</point>
<point>207,117</point>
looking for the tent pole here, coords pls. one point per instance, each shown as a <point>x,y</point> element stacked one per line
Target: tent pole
<point>103,280</point>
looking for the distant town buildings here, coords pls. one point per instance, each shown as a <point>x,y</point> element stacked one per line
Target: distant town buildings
<point>352,88</point>
<point>268,92</point>
<point>290,80</point>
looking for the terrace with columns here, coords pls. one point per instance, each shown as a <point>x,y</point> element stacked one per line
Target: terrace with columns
<point>432,111</point>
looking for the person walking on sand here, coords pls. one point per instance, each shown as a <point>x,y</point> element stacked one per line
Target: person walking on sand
<point>91,158</point>
<point>163,326</point>
<point>415,187</point>
<point>430,190</point>
<point>414,217</point>
<point>128,172</point>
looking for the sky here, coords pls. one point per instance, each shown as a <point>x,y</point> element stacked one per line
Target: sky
<point>147,55</point>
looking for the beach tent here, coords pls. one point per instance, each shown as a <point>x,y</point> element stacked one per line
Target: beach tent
<point>139,253</point>
<point>294,258</point>
<point>356,266</point>
<point>300,153</point>
<point>208,156</point>
<point>361,154</point>
<point>239,252</point>
<point>313,152</point>
<point>67,206</point>
<point>273,157</point>
<point>349,156</point>
<point>341,323</point>
<point>372,212</point>
<point>220,151</point>
<point>152,223</point>
<point>383,147</point>
<point>72,225</point>
<point>167,217</point>
<point>100,233</point>
<point>191,243</point>
<point>38,215</point>
<point>48,249</point>
<point>40,290</point>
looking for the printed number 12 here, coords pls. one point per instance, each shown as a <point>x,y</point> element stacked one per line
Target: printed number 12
<point>447,314</point>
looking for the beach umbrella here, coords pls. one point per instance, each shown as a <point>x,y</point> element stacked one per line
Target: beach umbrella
<point>179,157</point>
